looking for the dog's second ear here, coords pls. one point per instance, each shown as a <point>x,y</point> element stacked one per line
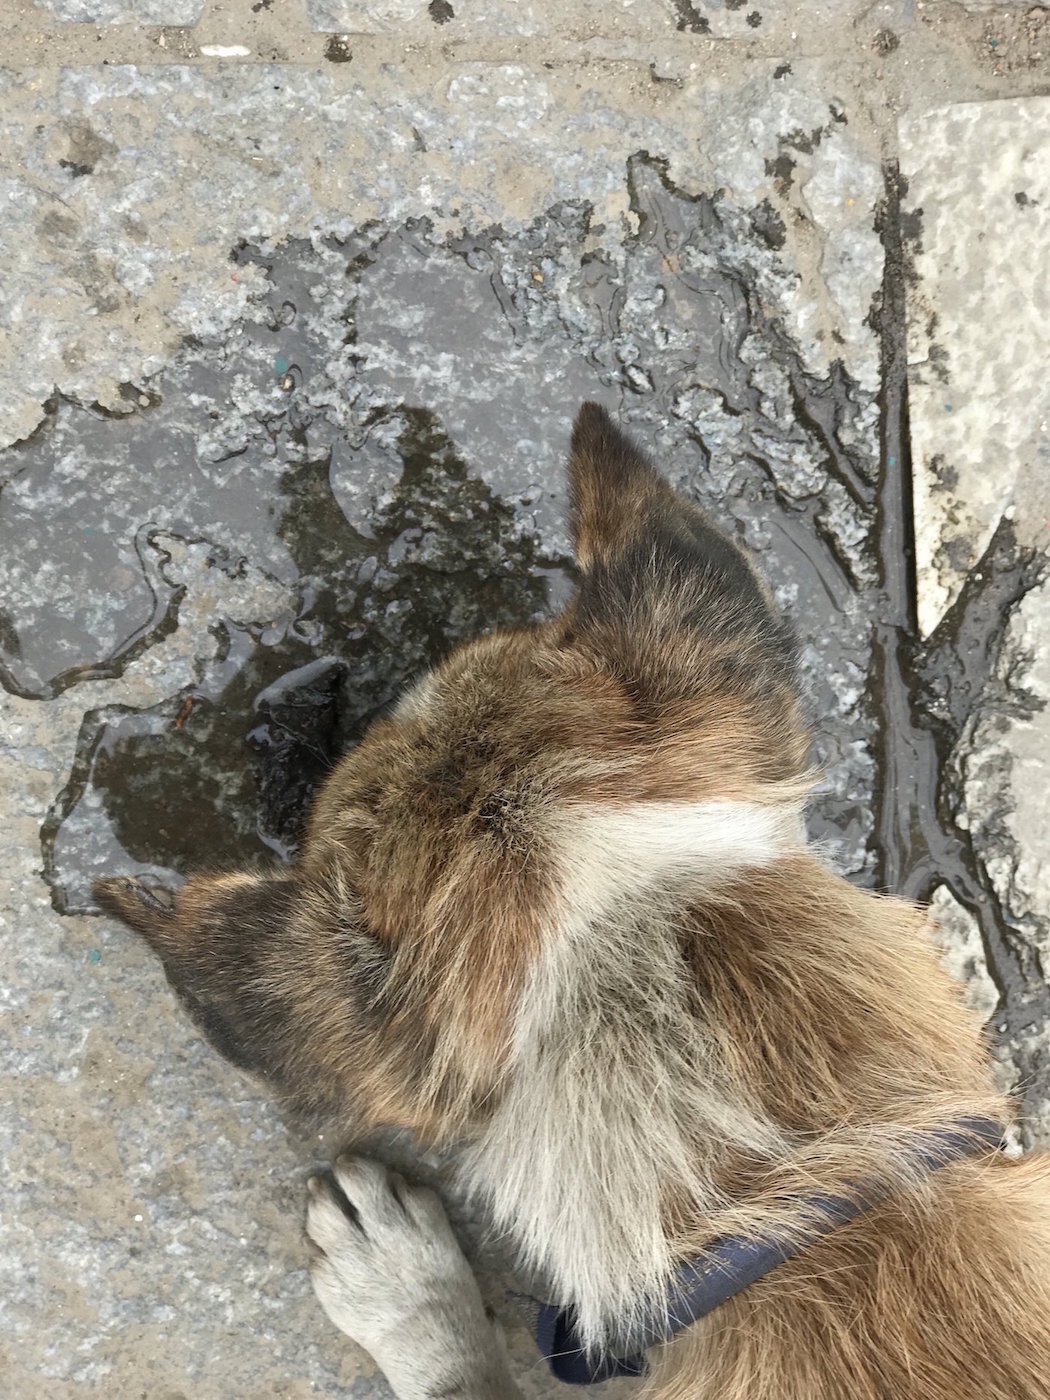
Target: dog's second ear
<point>627,521</point>
<point>613,489</point>
<point>671,606</point>
<point>223,943</point>
<point>147,908</point>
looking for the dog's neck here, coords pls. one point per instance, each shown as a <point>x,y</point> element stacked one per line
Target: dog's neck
<point>700,1286</point>
<point>615,1097</point>
<point>631,1100</point>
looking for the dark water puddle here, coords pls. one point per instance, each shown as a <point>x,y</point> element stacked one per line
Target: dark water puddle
<point>369,468</point>
<point>385,440</point>
<point>222,772</point>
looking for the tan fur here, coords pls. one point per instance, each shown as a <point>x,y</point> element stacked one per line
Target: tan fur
<point>940,1294</point>
<point>641,1043</point>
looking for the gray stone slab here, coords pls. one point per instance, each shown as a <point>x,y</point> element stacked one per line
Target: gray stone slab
<point>155,486</point>
<point>136,183</point>
<point>979,201</point>
<point>447,273</point>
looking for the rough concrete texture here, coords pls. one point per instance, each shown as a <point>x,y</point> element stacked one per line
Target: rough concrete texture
<point>1004,776</point>
<point>963,955</point>
<point>290,341</point>
<point>978,230</point>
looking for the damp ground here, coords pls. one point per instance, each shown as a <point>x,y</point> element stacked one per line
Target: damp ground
<point>371,465</point>
<point>368,469</point>
<point>373,462</point>
<point>290,346</point>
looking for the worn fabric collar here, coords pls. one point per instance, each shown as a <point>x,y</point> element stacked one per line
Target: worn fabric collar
<point>733,1264</point>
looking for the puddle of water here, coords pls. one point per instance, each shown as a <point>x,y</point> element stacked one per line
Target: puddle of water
<point>370,468</point>
<point>222,772</point>
<point>384,440</point>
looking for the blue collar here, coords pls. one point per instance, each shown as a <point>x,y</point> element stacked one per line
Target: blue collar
<point>734,1263</point>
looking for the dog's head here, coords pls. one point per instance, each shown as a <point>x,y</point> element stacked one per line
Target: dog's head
<point>647,741</point>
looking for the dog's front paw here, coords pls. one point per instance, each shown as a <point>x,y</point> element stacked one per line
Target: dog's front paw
<point>386,1250</point>
<point>389,1273</point>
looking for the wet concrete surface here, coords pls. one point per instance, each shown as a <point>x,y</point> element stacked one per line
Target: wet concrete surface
<point>382,531</point>
<point>224,551</point>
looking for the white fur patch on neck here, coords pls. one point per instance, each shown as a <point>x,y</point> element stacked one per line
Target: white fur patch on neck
<point>617,1103</point>
<point>607,852</point>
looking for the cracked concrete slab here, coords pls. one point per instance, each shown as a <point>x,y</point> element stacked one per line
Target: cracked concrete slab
<point>288,352</point>
<point>133,185</point>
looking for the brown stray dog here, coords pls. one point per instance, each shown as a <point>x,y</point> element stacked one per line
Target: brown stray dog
<point>557,909</point>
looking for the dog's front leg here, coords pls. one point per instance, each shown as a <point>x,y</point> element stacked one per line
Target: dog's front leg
<point>390,1274</point>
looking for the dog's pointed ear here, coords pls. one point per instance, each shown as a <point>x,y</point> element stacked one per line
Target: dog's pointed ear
<point>204,919</point>
<point>221,940</point>
<point>669,604</point>
<point>612,488</point>
<point>626,519</point>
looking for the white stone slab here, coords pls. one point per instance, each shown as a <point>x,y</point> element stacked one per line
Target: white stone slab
<point>978,315</point>
<point>167,12</point>
<point>528,18</point>
<point>1007,779</point>
<point>1006,782</point>
<point>962,952</point>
